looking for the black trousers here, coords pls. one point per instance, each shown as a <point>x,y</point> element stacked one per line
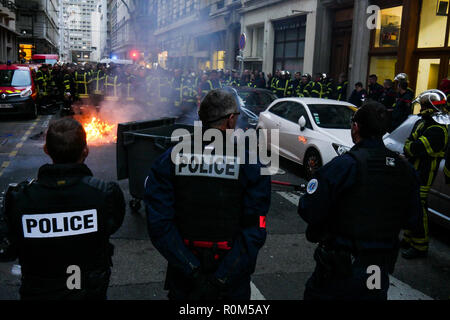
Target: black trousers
<point>94,286</point>
<point>181,286</point>
<point>321,286</point>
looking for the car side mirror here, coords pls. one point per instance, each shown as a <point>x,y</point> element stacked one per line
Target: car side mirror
<point>302,123</point>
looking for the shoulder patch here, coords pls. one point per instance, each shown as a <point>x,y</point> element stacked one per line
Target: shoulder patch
<point>312,186</point>
<point>390,162</point>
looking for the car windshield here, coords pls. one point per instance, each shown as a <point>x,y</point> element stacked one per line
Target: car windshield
<point>14,78</point>
<point>46,61</point>
<point>331,116</point>
<point>256,101</point>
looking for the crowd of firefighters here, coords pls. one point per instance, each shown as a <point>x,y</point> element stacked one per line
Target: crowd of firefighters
<point>183,90</point>
<point>93,83</point>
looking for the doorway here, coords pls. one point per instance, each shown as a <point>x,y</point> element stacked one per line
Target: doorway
<point>430,72</point>
<point>341,42</point>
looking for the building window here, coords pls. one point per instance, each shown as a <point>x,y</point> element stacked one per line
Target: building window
<point>432,25</point>
<point>383,67</point>
<point>387,33</point>
<point>290,44</point>
<point>219,60</point>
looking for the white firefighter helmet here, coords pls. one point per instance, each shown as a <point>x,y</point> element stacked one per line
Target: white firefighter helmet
<point>434,101</point>
<point>401,77</point>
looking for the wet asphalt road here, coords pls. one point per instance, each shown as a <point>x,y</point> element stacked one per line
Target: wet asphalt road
<point>284,263</point>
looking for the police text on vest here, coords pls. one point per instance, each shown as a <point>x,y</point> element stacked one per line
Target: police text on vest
<point>207,166</point>
<point>62,224</point>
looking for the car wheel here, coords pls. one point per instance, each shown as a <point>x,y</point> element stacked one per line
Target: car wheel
<point>34,112</point>
<point>311,163</point>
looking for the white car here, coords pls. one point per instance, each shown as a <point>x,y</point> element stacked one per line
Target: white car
<point>312,131</point>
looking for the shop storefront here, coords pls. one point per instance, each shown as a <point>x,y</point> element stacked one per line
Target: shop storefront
<point>413,37</point>
<point>26,50</point>
<point>385,43</point>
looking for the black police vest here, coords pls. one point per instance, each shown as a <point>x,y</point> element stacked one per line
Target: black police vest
<point>374,209</point>
<point>60,227</point>
<point>208,202</point>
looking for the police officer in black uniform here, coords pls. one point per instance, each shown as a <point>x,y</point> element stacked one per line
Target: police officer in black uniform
<point>209,223</point>
<point>355,222</point>
<point>62,222</point>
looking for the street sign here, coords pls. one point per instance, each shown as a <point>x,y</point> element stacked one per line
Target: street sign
<point>242,41</point>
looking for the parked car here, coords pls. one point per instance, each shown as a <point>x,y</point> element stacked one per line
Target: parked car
<point>439,196</point>
<point>312,131</point>
<point>251,102</point>
<point>17,91</point>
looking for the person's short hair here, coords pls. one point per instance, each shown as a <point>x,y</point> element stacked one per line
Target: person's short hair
<point>372,119</point>
<point>359,84</point>
<point>65,140</point>
<point>389,83</point>
<point>373,76</point>
<point>216,106</point>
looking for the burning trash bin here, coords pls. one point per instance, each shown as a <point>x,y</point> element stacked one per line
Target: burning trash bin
<point>139,144</point>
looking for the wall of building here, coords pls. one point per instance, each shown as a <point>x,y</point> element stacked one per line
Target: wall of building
<point>359,54</point>
<point>8,35</point>
<point>203,35</point>
<point>263,14</point>
<point>79,28</point>
<point>132,28</point>
<point>38,24</point>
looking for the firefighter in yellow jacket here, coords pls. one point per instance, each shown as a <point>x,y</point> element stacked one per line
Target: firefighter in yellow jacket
<point>425,148</point>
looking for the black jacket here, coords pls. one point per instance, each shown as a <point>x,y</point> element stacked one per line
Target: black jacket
<point>63,218</point>
<point>375,91</point>
<point>402,109</point>
<point>357,98</point>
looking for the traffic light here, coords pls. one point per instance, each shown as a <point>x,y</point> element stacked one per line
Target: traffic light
<point>134,54</point>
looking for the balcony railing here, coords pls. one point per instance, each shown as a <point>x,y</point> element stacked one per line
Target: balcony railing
<point>9,4</point>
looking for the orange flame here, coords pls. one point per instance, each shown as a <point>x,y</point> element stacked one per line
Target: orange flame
<point>99,132</point>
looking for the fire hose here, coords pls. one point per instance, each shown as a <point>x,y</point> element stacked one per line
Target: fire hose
<point>297,187</point>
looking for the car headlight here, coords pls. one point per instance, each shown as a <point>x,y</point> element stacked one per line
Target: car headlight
<point>26,93</point>
<point>253,122</point>
<point>340,149</point>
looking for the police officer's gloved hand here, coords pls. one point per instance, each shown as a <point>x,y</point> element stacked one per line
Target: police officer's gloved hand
<point>206,287</point>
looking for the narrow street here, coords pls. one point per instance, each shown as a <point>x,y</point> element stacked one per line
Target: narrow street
<point>284,264</point>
